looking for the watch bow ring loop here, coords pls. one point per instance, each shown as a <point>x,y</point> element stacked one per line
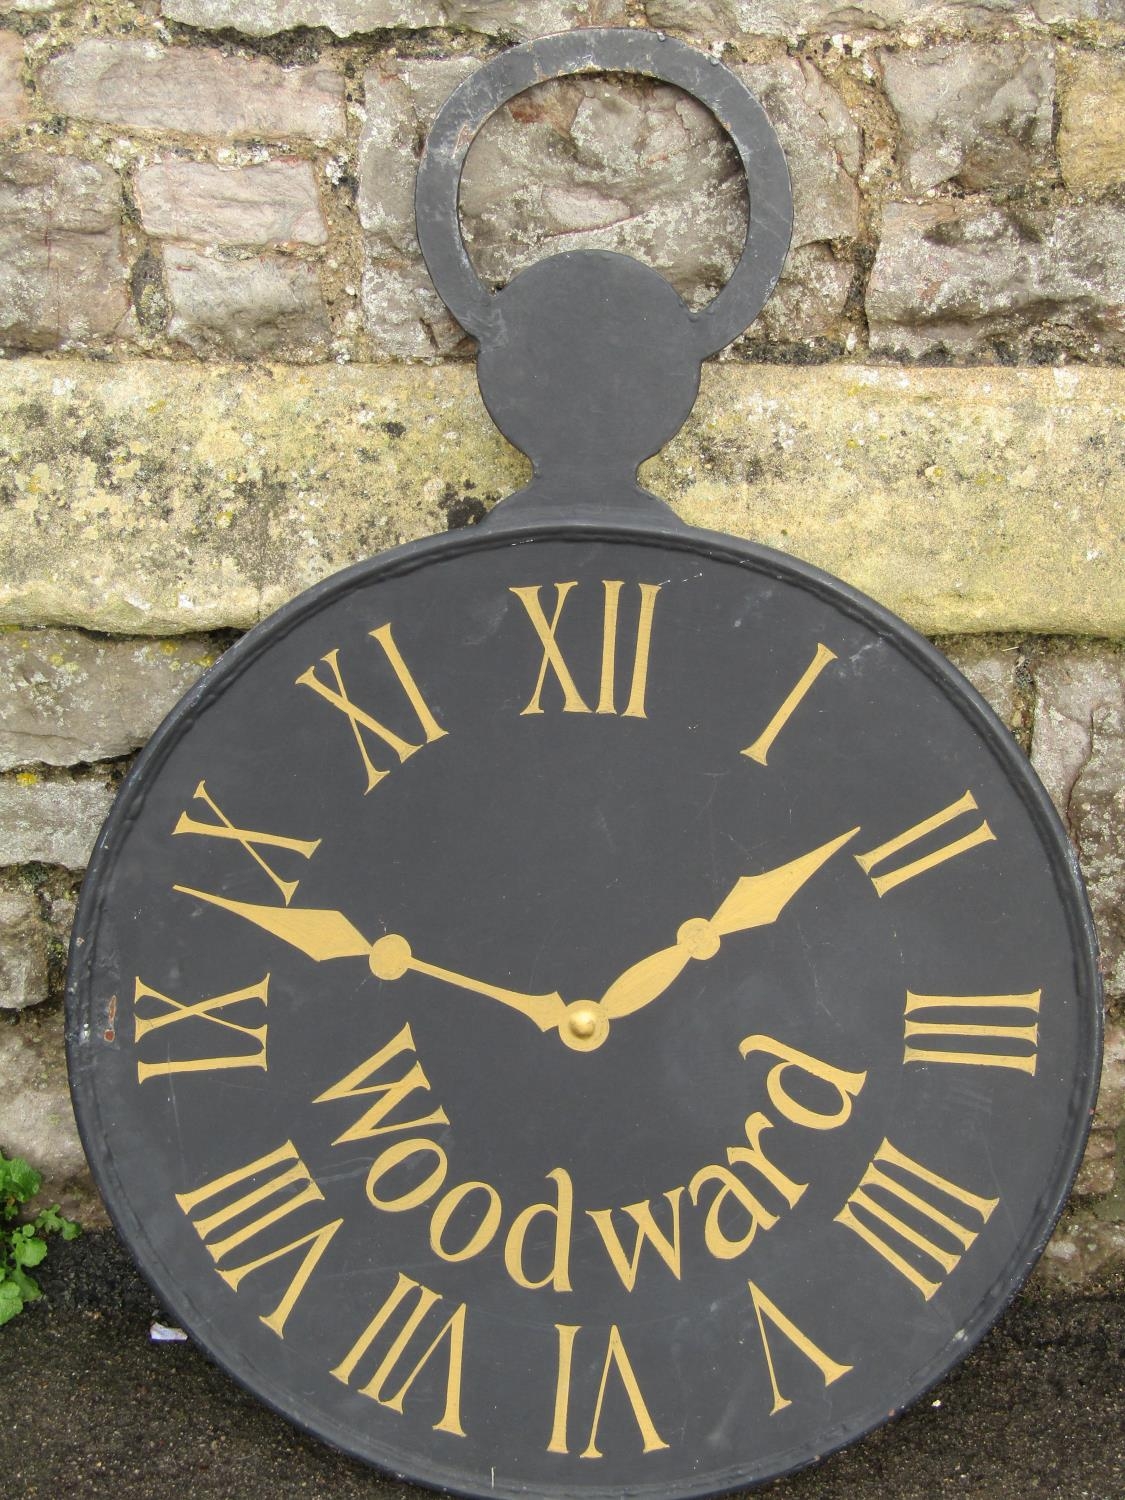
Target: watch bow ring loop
<point>648,54</point>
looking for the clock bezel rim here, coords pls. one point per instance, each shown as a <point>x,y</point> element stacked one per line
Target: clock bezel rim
<point>616,527</point>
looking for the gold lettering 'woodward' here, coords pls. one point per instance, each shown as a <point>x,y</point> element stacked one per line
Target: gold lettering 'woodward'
<point>648,1231</point>
<point>737,1200</point>
<point>389,1369</point>
<point>388,1096</point>
<point>914,1242</point>
<point>280,1173</point>
<point>250,840</point>
<point>735,1192</point>
<point>616,1358</point>
<point>360,721</point>
<point>981,834</point>
<point>195,1017</point>
<point>845,1086</point>
<point>553,660</point>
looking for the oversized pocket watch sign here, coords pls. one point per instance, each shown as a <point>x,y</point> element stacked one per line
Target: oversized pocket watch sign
<point>585,1006</point>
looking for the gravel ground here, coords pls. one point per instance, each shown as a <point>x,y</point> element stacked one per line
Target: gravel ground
<point>92,1407</point>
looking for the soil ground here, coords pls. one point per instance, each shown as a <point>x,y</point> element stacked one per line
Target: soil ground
<point>92,1407</point>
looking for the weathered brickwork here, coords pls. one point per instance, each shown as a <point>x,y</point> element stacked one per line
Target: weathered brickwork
<point>206,217</point>
<point>62,272</point>
<point>964,278</point>
<point>274,204</point>
<point>975,114</point>
<point>958,172</point>
<point>192,91</point>
<point>503,18</point>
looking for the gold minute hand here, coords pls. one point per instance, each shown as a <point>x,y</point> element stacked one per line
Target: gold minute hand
<point>322,932</point>
<point>319,932</point>
<point>391,958</point>
<point>754,901</point>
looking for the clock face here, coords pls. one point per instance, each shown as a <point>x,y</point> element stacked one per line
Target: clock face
<point>568,1012</point>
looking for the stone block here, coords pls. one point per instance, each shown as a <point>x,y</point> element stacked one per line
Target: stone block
<point>958,277</point>
<point>36,1118</point>
<point>1082,1251</point>
<point>1111,1096</point>
<point>967,500</point>
<point>402,96</point>
<point>979,114</point>
<point>272,204</point>
<point>62,276</point>
<point>1097,1173</point>
<point>23,951</point>
<point>268,304</point>
<point>507,18</point>
<point>13,96</point>
<point>67,699</point>
<point>1092,120</point>
<point>578,163</point>
<point>50,822</point>
<point>588,163</point>
<point>405,316</point>
<point>144,86</point>
<point>822,144</point>
<point>1071,687</point>
<point>992,672</point>
<point>719,20</point>
<point>1078,749</point>
<point>810,297</point>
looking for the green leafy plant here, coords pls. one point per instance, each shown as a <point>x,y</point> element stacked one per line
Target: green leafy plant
<point>23,1242</point>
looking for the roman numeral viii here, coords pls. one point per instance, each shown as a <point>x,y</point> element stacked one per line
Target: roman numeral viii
<point>235,1214</point>
<point>554,662</point>
<point>363,723</point>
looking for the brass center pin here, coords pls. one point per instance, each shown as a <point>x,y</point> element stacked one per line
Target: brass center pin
<point>584,1026</point>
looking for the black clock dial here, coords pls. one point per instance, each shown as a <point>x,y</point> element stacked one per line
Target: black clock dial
<point>574,1011</point>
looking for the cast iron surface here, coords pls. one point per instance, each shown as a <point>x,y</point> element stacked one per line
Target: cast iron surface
<point>592,725</point>
<point>589,361</point>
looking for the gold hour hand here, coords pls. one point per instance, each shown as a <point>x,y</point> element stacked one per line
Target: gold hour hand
<point>391,958</point>
<point>319,932</point>
<point>754,901</point>
<point>647,980</point>
<point>757,900</point>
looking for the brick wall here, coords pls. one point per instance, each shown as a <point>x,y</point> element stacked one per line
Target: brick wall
<point>227,374</point>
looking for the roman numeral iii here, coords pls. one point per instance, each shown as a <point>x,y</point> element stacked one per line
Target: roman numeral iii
<point>897,875</point>
<point>554,662</point>
<point>958,1039</point>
